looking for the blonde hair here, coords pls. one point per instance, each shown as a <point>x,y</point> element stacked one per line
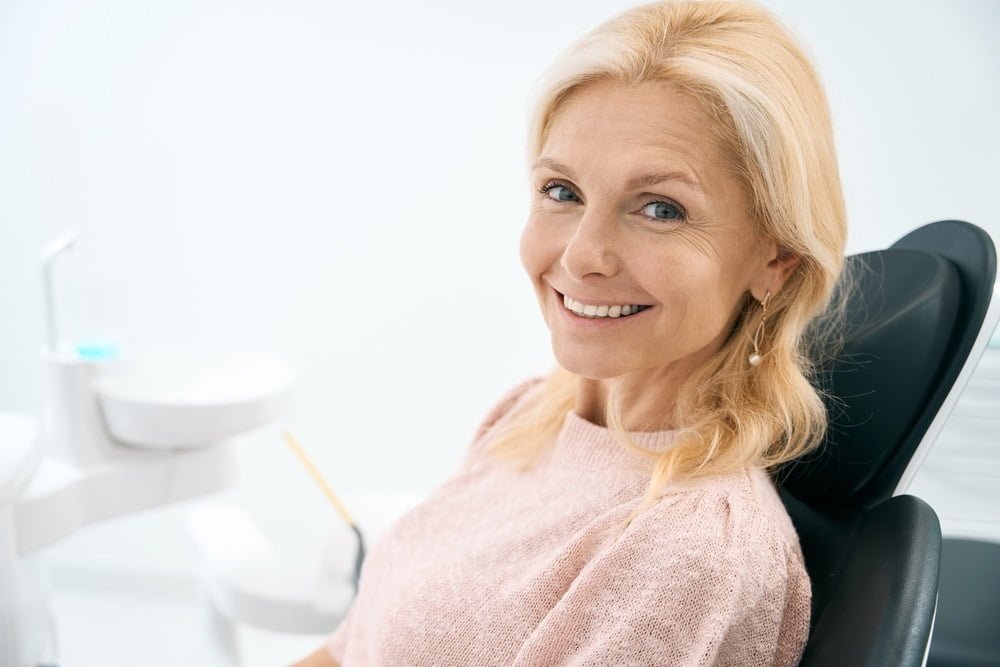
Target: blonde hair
<point>771,113</point>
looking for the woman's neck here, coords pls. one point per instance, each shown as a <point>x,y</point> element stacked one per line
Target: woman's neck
<point>646,403</point>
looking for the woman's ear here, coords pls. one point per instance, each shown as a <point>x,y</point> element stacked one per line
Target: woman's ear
<point>781,263</point>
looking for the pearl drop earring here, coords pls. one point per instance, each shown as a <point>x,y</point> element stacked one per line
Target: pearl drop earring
<point>756,357</point>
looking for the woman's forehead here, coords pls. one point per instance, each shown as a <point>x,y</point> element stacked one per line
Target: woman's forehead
<point>639,127</point>
<point>653,106</point>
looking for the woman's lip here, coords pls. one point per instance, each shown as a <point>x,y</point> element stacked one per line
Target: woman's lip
<point>601,303</point>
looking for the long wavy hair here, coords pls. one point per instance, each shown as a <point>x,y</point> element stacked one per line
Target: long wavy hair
<point>759,88</point>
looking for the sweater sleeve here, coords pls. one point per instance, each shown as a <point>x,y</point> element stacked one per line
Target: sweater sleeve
<point>702,591</point>
<point>336,642</point>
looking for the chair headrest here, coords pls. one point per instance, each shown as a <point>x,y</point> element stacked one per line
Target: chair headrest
<point>899,321</point>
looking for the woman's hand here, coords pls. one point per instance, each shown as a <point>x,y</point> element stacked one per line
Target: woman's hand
<point>321,658</point>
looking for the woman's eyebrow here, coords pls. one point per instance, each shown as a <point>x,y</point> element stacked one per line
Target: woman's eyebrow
<point>633,183</point>
<point>652,179</point>
<point>554,166</point>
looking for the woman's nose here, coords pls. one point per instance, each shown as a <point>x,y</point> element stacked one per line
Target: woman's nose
<point>591,250</point>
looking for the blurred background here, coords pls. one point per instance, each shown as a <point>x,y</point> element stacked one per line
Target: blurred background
<point>342,185</point>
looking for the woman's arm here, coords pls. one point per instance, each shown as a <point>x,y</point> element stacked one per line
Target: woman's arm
<point>321,658</point>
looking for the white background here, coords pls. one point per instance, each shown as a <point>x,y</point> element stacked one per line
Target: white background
<point>342,184</point>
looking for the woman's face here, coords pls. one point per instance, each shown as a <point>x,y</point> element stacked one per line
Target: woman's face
<point>634,209</point>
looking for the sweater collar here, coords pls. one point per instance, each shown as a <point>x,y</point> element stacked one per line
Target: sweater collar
<point>581,443</point>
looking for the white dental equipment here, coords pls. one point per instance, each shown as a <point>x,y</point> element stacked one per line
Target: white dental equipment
<point>118,434</point>
<point>248,582</point>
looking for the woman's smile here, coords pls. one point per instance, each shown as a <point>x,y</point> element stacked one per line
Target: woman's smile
<point>597,314</point>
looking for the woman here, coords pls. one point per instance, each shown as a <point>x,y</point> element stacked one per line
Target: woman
<point>687,224</point>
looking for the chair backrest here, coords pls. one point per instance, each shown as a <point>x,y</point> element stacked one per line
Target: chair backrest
<point>874,575</point>
<point>914,331</point>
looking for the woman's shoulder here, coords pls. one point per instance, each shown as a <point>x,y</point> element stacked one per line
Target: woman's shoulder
<point>737,516</point>
<point>508,404</point>
<point>720,548</point>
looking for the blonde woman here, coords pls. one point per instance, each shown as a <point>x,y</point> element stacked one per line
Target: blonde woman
<point>686,225</point>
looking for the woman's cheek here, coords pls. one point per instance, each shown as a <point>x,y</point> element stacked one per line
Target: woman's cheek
<point>532,250</point>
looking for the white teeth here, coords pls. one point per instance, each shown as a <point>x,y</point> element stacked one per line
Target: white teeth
<point>591,310</point>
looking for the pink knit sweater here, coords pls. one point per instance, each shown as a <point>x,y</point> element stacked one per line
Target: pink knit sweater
<point>498,567</point>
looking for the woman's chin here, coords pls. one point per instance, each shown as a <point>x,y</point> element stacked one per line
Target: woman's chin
<point>588,368</point>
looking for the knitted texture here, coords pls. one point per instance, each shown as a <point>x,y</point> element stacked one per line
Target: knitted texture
<point>498,567</point>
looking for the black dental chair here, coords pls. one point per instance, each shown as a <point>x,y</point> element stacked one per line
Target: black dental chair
<point>914,322</point>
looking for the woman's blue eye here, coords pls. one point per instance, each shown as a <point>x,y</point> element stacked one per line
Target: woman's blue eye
<point>662,210</point>
<point>562,193</point>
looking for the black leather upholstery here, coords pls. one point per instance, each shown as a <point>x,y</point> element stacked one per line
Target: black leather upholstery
<point>900,321</point>
<point>874,578</point>
<point>912,319</point>
<point>874,559</point>
<point>968,620</point>
<point>971,251</point>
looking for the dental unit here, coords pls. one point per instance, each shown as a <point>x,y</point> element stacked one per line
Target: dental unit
<point>120,432</point>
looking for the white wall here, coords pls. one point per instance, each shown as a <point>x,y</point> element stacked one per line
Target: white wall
<point>341,184</point>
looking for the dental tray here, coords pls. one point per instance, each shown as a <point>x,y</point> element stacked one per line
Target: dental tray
<point>187,398</point>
